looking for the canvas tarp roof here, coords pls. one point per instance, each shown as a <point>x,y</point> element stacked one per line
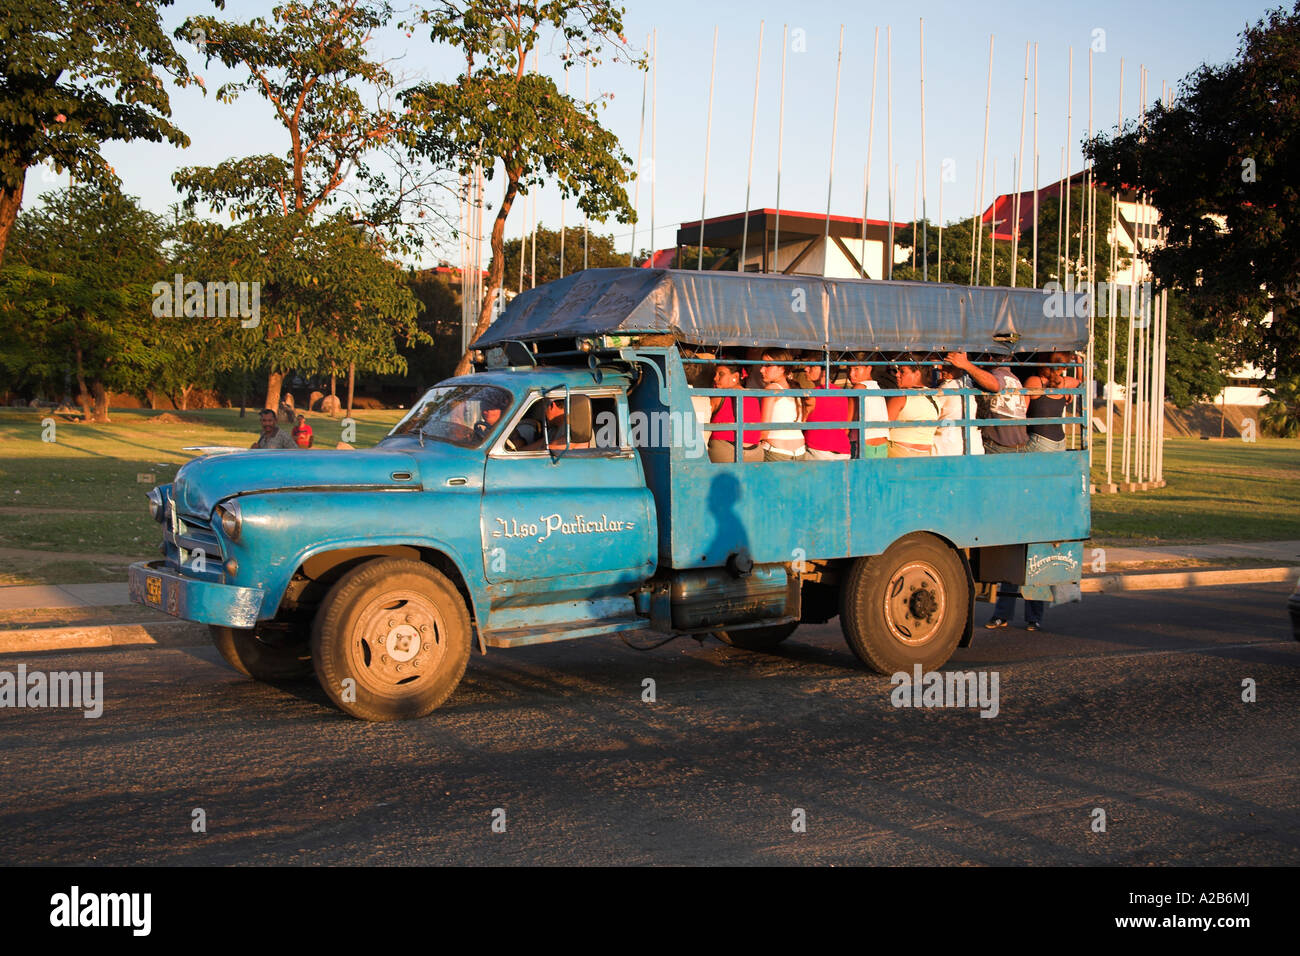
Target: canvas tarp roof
<point>804,312</point>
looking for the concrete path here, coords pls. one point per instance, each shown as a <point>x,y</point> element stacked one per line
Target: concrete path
<point>31,596</point>
<point>1219,550</point>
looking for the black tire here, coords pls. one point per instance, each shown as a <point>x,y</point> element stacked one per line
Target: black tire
<point>269,652</point>
<point>907,606</point>
<point>757,638</point>
<point>377,607</point>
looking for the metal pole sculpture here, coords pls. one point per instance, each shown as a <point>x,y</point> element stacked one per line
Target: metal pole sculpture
<point>1035,273</point>
<point>830,174</point>
<point>925,220</point>
<point>708,135</point>
<point>984,163</point>
<point>889,144</point>
<point>1020,171</point>
<point>780,140</point>
<point>636,192</point>
<point>871,134</point>
<point>749,170</point>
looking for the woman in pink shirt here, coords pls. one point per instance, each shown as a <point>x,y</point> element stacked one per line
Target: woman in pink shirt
<point>722,445</point>
<point>825,443</point>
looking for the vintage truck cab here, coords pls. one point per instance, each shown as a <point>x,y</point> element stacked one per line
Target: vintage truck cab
<point>561,491</point>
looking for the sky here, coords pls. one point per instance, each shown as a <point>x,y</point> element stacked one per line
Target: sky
<point>1169,38</point>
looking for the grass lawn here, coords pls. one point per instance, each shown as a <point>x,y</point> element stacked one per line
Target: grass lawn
<point>76,508</point>
<point>1221,490</point>
<point>78,498</point>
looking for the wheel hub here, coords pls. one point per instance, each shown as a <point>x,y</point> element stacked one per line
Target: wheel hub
<point>399,638</point>
<point>915,603</point>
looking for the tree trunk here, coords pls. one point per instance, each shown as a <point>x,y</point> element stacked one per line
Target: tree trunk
<point>101,401</point>
<point>497,273</point>
<point>152,397</point>
<point>186,391</point>
<point>83,393</point>
<point>10,200</point>
<point>352,369</point>
<point>274,382</point>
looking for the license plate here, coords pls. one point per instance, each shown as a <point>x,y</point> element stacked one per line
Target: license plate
<point>153,591</point>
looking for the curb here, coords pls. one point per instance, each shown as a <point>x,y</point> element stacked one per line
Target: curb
<point>1160,580</point>
<point>79,637</point>
<point>190,634</point>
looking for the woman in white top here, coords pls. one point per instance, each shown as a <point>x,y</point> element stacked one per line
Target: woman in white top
<point>784,444</point>
<point>916,441</point>
<point>960,372</point>
<point>873,410</point>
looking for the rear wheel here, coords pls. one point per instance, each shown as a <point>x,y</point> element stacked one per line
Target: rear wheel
<point>907,606</point>
<point>758,638</point>
<point>272,651</point>
<point>391,640</point>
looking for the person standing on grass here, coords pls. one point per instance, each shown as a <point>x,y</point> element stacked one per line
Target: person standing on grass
<point>272,436</point>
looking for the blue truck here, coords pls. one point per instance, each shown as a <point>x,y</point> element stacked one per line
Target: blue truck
<point>559,491</point>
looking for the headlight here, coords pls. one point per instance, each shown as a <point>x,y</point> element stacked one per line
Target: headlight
<point>155,504</point>
<point>231,519</point>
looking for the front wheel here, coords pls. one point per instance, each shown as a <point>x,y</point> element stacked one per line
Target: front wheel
<point>391,640</point>
<point>907,606</point>
<point>272,651</point>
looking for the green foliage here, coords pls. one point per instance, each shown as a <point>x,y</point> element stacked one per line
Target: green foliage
<point>75,293</point>
<point>498,113</point>
<point>601,254</point>
<point>327,296</point>
<point>1281,416</point>
<point>73,75</point>
<point>311,64</point>
<point>1219,166</point>
<point>958,236</point>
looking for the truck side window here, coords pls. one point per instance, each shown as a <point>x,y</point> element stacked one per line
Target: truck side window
<point>528,434</point>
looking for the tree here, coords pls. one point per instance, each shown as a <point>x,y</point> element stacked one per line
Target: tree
<point>327,298</point>
<point>74,75</point>
<point>499,113</point>
<point>76,294</point>
<point>1281,416</point>
<point>310,63</point>
<point>1218,164</point>
<point>601,254</point>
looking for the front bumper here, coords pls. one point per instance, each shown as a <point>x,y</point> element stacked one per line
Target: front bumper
<point>155,585</point>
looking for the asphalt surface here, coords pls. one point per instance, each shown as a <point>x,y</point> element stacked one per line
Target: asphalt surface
<point>1131,703</point>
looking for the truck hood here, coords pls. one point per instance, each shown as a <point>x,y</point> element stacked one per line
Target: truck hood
<point>203,483</point>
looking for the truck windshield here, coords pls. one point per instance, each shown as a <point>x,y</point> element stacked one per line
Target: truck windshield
<point>462,415</point>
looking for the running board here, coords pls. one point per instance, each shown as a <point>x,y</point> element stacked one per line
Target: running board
<point>521,636</point>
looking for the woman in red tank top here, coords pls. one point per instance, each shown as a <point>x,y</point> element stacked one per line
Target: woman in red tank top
<point>825,443</point>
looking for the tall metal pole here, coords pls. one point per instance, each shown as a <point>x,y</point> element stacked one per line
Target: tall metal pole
<point>984,163</point>
<point>925,219</point>
<point>1035,166</point>
<point>1069,124</point>
<point>889,143</point>
<point>1092,276</point>
<point>585,219</point>
<point>830,174</point>
<point>974,220</point>
<point>636,192</point>
<point>1020,172</point>
<point>939,253</point>
<point>993,223</point>
<point>708,136</point>
<point>749,170</point>
<point>871,135</point>
<point>562,201</point>
<point>654,125</point>
<point>780,140</point>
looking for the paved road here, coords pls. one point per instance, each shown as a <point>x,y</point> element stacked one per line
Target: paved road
<point>1131,704</point>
